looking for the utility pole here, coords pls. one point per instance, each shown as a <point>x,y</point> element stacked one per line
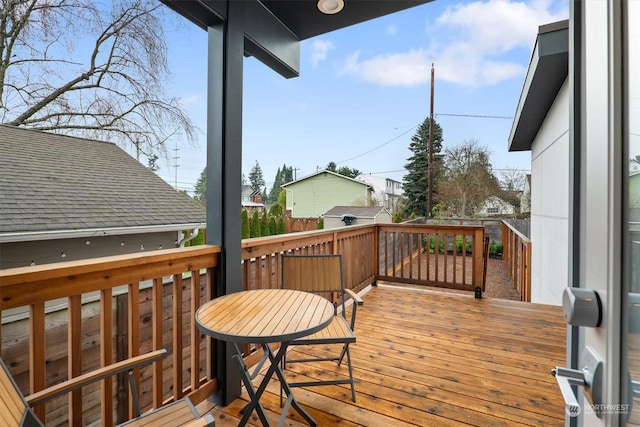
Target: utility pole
<point>175,165</point>
<point>430,193</point>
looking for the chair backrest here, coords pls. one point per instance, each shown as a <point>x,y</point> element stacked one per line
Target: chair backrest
<point>321,274</point>
<point>14,410</point>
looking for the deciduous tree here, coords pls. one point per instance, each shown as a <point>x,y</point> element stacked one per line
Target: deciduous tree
<point>468,178</point>
<point>92,69</point>
<point>512,182</point>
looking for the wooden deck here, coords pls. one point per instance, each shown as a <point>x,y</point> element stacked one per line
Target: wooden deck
<point>434,358</point>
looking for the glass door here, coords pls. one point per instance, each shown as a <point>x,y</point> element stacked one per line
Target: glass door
<point>631,307</point>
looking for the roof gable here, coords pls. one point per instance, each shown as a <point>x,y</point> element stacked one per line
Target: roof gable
<point>324,172</point>
<point>51,182</point>
<point>357,211</point>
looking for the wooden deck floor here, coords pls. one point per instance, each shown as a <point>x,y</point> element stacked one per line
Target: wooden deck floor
<point>432,358</point>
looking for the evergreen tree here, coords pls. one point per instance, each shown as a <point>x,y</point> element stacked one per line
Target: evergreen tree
<point>273,227</point>
<point>347,171</point>
<point>256,180</point>
<point>152,162</point>
<point>264,225</point>
<point>200,190</point>
<point>255,225</point>
<point>282,201</point>
<point>283,175</point>
<point>282,228</point>
<point>416,182</point>
<point>342,170</point>
<point>275,210</point>
<point>246,233</point>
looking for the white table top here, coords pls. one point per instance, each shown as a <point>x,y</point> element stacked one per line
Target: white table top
<point>264,315</point>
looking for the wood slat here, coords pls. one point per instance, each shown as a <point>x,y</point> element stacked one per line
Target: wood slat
<point>106,354</point>
<point>12,407</point>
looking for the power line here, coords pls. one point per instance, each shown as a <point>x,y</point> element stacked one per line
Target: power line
<point>474,115</point>
<point>379,146</point>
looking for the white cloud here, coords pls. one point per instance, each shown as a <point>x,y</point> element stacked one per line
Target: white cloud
<point>469,43</point>
<point>392,30</point>
<point>190,100</point>
<point>320,50</point>
<point>400,69</point>
<point>481,34</point>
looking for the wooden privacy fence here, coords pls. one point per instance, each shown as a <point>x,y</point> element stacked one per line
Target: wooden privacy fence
<point>83,329</point>
<point>516,252</point>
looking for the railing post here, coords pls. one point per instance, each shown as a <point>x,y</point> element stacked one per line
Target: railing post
<point>478,262</point>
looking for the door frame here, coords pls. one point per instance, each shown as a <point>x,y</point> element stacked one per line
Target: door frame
<point>589,55</point>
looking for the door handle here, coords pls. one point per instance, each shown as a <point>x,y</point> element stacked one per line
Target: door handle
<point>590,377</point>
<point>566,378</point>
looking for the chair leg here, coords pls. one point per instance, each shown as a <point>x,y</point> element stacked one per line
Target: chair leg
<point>283,366</point>
<point>353,386</point>
<point>344,350</point>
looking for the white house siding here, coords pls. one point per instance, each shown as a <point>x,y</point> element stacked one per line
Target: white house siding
<point>550,204</point>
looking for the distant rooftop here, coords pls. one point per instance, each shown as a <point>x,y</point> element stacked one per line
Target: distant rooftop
<point>357,211</point>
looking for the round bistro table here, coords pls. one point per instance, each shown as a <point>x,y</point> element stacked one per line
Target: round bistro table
<point>265,316</point>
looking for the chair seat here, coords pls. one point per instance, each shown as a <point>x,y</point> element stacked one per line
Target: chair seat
<point>338,332</point>
<point>178,413</point>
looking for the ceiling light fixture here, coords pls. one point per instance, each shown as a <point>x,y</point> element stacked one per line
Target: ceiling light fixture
<point>330,7</point>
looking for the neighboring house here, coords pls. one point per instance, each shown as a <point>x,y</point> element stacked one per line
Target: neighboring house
<point>541,126</point>
<point>495,206</point>
<point>315,194</point>
<point>386,191</point>
<point>341,216</point>
<point>64,198</point>
<point>251,199</point>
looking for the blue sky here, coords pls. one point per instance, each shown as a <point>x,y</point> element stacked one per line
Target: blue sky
<point>363,90</point>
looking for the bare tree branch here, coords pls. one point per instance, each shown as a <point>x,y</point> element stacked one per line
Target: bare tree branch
<point>113,87</point>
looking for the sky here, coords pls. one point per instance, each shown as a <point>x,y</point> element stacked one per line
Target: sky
<point>363,90</point>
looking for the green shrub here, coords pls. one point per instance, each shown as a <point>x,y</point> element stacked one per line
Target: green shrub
<point>460,240</point>
<point>432,244</point>
<point>495,249</point>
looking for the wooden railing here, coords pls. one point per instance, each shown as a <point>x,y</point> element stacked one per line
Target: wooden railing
<point>516,252</point>
<point>358,246</point>
<point>432,255</point>
<point>446,256</point>
<point>84,314</point>
<point>68,318</point>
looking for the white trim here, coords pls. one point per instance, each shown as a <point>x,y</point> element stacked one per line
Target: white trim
<point>93,232</point>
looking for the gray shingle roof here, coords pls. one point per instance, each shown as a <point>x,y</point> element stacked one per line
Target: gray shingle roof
<point>357,211</point>
<point>52,182</point>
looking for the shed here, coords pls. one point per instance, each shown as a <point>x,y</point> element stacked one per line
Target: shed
<point>341,216</point>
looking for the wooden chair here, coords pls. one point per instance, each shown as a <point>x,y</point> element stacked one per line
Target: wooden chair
<point>15,409</point>
<point>322,274</point>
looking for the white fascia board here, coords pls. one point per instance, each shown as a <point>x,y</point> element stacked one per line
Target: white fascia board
<point>95,232</point>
